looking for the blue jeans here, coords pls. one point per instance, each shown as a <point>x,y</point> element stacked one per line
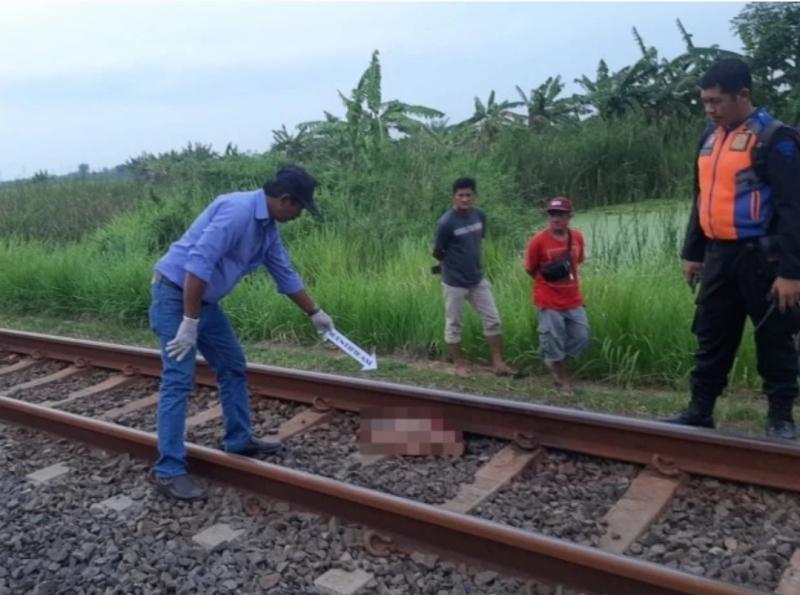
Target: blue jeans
<point>219,346</point>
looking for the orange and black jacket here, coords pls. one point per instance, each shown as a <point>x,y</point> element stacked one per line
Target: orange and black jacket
<point>734,200</point>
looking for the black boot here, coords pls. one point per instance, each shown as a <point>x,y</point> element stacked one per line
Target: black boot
<point>181,487</point>
<point>781,428</point>
<point>699,413</point>
<point>779,419</point>
<point>258,448</point>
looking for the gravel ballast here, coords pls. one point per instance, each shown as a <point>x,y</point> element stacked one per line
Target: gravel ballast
<point>97,405</point>
<point>36,371</point>
<point>201,399</point>
<point>61,389</point>
<point>266,415</point>
<point>727,531</point>
<point>53,541</point>
<point>329,450</point>
<point>564,496</point>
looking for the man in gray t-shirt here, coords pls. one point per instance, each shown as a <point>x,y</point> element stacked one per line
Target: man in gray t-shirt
<point>457,245</point>
<point>459,235</point>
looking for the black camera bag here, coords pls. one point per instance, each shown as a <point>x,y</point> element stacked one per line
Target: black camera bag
<point>561,268</point>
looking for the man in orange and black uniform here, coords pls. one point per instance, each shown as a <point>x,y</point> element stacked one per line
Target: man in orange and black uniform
<point>743,238</point>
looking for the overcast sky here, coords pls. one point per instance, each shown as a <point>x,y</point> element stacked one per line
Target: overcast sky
<point>101,82</point>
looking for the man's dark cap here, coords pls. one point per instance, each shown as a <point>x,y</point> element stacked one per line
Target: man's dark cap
<point>297,183</point>
<point>560,204</point>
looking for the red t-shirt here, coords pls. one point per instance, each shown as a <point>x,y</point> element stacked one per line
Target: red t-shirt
<point>544,248</point>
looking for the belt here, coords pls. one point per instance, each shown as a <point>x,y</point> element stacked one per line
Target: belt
<point>735,246</point>
<point>735,243</point>
<point>159,278</point>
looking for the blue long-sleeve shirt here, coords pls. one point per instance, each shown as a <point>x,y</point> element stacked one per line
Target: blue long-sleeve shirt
<point>232,237</point>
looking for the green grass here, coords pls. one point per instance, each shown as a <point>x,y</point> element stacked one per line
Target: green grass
<point>603,162</point>
<point>63,210</point>
<point>385,298</point>
<point>740,410</point>
<point>87,247</point>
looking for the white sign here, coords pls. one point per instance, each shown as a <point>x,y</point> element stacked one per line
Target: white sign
<point>367,361</point>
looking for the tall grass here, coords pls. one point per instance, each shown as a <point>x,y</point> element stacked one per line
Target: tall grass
<point>603,162</point>
<point>639,308</point>
<point>63,210</point>
<point>87,248</point>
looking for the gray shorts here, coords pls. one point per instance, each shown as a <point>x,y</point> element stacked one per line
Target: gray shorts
<point>481,298</point>
<point>562,333</point>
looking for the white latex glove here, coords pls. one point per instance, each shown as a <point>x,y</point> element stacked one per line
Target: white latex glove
<point>185,339</point>
<point>322,322</point>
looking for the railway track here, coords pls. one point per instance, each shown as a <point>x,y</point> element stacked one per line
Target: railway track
<point>555,496</point>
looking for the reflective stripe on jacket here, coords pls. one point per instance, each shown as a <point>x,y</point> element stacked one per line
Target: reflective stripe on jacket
<point>733,202</point>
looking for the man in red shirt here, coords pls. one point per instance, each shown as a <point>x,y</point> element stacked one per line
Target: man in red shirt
<point>552,258</point>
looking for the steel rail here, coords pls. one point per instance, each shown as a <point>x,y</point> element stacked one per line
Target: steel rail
<point>512,551</point>
<point>668,447</point>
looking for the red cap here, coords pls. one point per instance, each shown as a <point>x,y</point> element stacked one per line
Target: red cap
<point>559,203</point>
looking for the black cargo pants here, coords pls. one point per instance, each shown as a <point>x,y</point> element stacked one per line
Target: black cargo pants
<point>737,277</point>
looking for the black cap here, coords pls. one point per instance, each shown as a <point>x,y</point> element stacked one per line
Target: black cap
<point>297,183</point>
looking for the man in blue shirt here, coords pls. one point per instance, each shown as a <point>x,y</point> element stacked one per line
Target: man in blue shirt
<point>235,234</point>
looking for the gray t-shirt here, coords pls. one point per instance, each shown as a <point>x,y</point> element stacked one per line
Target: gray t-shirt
<point>459,238</point>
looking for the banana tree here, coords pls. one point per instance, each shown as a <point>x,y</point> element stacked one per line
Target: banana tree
<point>369,122</point>
<point>490,117</point>
<point>612,95</point>
<point>673,88</point>
<point>544,106</point>
<point>294,146</point>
